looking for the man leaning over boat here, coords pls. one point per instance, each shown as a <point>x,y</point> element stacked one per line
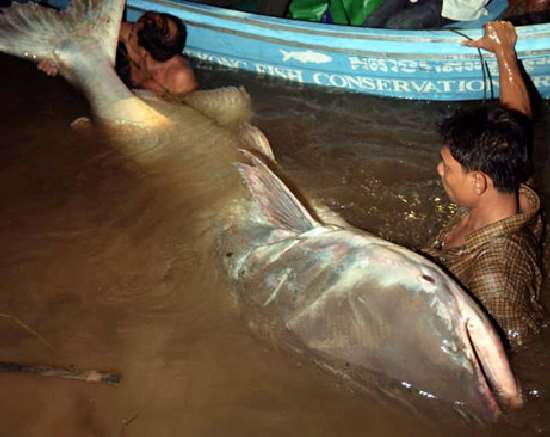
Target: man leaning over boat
<point>149,56</point>
<point>493,245</point>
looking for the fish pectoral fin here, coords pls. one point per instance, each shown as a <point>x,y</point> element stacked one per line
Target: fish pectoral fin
<point>278,205</point>
<point>228,106</point>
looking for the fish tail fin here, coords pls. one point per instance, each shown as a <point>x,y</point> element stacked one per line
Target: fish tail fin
<point>35,32</point>
<point>278,205</point>
<point>286,55</point>
<point>255,139</point>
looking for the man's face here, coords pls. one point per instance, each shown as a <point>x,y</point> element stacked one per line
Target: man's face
<point>458,183</point>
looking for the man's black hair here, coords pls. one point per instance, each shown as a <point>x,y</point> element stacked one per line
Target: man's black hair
<point>493,140</point>
<point>155,36</point>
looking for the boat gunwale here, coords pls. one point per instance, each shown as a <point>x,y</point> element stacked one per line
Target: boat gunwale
<point>367,53</point>
<point>417,64</point>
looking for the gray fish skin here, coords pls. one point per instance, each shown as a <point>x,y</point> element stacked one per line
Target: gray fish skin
<point>358,300</point>
<point>345,294</point>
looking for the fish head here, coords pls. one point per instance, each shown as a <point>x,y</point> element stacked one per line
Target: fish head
<point>453,350</point>
<point>395,313</point>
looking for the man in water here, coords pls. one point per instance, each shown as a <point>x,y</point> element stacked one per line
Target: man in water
<point>149,56</point>
<point>492,248</point>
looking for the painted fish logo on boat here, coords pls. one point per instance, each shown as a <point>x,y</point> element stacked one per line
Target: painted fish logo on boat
<point>308,56</point>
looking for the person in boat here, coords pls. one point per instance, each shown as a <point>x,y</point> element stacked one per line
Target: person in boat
<point>274,8</point>
<point>352,12</point>
<point>492,246</point>
<point>424,14</point>
<point>525,12</point>
<point>149,56</point>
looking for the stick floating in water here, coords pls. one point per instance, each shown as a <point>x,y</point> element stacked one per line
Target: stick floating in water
<point>61,372</point>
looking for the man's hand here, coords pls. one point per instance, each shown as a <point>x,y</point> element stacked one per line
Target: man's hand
<point>499,37</point>
<point>49,67</point>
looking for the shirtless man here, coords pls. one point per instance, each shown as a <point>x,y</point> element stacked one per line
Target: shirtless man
<point>492,248</point>
<point>149,56</point>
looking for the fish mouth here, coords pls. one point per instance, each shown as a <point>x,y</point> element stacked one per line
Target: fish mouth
<point>497,384</point>
<point>485,351</point>
<point>491,408</point>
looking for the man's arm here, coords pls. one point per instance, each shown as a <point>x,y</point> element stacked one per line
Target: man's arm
<point>500,38</point>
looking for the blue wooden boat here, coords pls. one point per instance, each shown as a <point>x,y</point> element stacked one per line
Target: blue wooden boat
<point>423,65</point>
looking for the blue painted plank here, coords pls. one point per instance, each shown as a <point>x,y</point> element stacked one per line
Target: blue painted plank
<point>427,65</point>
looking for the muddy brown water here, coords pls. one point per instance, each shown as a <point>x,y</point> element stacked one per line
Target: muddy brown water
<point>104,266</point>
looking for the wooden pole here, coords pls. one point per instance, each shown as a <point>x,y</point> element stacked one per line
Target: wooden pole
<point>86,375</point>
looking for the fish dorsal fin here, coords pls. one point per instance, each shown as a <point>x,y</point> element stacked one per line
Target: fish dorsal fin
<point>255,139</point>
<point>32,31</point>
<point>278,205</point>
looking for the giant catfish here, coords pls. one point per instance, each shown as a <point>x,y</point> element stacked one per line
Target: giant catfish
<point>348,297</point>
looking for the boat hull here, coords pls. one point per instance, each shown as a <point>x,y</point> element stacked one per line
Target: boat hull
<point>404,64</point>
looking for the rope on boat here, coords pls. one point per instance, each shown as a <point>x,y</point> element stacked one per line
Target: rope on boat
<point>484,67</point>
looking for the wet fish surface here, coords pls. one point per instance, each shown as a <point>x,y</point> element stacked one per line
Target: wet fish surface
<point>347,296</point>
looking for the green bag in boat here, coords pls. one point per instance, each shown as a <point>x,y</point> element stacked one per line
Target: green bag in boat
<point>352,12</point>
<point>309,10</point>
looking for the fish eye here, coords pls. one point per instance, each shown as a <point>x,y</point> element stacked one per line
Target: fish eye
<point>428,278</point>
